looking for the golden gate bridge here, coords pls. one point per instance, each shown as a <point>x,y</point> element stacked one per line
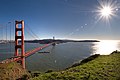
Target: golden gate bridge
<point>20,54</point>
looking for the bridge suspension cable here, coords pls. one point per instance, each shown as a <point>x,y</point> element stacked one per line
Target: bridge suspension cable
<point>10,36</point>
<point>30,32</point>
<point>1,28</point>
<point>34,36</point>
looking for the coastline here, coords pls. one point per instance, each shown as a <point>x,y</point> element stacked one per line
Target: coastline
<point>94,67</point>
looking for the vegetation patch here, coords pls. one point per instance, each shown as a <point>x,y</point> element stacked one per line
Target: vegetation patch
<point>13,71</point>
<point>98,67</point>
<point>85,60</point>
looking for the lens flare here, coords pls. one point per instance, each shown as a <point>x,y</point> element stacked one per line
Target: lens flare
<point>107,9</point>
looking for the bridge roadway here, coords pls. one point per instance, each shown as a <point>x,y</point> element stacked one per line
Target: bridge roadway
<point>28,53</point>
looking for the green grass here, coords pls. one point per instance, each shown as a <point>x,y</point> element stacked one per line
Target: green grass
<point>12,71</point>
<point>104,67</point>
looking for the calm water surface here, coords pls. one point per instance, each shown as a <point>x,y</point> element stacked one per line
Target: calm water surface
<point>61,56</point>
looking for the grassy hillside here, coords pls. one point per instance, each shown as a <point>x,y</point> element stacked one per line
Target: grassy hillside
<point>103,67</point>
<point>12,71</point>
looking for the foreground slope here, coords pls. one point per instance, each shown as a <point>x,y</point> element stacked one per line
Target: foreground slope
<point>104,67</point>
<point>12,71</point>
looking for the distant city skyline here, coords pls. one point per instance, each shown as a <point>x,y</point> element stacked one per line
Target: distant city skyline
<point>64,19</point>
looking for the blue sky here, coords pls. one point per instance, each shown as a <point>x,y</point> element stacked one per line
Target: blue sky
<point>64,19</point>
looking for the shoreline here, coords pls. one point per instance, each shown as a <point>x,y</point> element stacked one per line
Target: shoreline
<point>91,66</point>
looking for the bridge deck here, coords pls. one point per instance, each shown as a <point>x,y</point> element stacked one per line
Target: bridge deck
<point>17,58</point>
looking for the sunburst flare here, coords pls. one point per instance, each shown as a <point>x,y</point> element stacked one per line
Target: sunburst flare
<point>107,9</point>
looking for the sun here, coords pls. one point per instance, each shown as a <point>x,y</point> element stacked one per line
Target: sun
<point>107,9</point>
<point>106,12</point>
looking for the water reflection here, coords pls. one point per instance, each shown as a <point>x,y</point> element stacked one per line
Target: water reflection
<point>105,47</point>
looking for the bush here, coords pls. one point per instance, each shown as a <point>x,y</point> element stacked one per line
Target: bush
<point>49,71</point>
<point>85,60</point>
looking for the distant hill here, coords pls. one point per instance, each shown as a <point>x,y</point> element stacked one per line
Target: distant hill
<point>46,41</point>
<point>87,41</point>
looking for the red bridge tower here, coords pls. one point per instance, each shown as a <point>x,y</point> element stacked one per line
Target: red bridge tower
<point>19,41</point>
